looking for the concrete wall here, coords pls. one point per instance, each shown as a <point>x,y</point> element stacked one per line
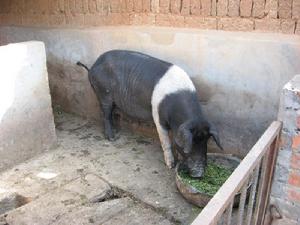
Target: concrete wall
<point>234,15</point>
<point>238,75</point>
<point>26,119</point>
<point>285,194</point>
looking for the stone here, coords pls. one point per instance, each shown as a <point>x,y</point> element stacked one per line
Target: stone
<point>10,201</point>
<point>26,118</point>
<point>91,187</point>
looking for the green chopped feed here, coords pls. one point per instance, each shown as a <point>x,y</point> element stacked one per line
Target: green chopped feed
<point>214,177</point>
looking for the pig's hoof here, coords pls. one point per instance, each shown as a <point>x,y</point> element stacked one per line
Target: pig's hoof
<point>110,137</point>
<point>170,164</point>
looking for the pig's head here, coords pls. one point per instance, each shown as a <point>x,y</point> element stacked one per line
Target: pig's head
<point>191,139</point>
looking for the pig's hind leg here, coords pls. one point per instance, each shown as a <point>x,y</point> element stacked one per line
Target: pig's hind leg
<point>107,105</point>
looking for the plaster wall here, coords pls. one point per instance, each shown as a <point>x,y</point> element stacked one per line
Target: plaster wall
<point>26,119</point>
<point>238,75</point>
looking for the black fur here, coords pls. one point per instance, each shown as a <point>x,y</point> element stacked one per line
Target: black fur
<point>126,79</point>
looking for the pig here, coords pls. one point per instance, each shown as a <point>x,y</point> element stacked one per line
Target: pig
<point>147,88</point>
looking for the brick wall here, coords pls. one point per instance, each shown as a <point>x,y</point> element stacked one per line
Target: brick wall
<point>285,195</point>
<point>237,15</point>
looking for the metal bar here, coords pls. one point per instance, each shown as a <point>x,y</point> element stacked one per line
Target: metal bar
<point>229,213</point>
<point>252,195</point>
<point>242,204</point>
<point>217,205</point>
<point>261,184</point>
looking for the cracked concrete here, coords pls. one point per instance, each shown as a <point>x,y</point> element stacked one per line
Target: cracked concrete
<point>89,180</point>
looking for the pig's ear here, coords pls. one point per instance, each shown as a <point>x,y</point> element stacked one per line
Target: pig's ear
<point>215,135</point>
<point>184,138</point>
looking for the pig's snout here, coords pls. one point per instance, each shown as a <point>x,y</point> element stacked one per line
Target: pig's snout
<point>197,173</point>
<point>196,169</point>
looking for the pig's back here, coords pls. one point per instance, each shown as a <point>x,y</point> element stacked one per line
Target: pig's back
<point>131,77</point>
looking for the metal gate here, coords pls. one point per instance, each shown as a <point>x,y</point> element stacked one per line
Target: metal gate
<point>252,180</point>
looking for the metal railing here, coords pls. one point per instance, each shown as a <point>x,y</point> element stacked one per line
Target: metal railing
<point>250,182</point>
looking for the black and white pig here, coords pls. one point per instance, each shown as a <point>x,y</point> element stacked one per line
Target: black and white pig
<point>148,88</point>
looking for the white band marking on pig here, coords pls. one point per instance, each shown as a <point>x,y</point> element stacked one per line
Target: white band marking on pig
<point>174,80</point>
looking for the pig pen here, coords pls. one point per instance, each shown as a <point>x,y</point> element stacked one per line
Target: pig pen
<point>87,179</point>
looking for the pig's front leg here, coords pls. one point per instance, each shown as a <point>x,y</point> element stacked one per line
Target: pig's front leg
<point>166,145</point>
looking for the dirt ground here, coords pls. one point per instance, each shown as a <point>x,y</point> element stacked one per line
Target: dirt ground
<point>89,180</point>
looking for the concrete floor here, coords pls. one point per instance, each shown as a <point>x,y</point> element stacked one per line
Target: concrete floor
<point>89,180</point>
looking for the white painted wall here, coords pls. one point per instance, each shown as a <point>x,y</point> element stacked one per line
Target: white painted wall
<point>238,75</point>
<point>26,119</point>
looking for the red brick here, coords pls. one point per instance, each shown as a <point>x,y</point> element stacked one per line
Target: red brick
<point>146,5</point>
<point>201,22</point>
<point>297,31</point>
<point>123,6</point>
<point>105,9</point>
<point>206,7</point>
<point>294,195</point>
<point>196,6</point>
<point>36,20</point>
<point>294,179</point>
<point>214,7</point>
<point>164,6</point>
<point>61,5</point>
<point>169,20</point>
<point>285,9</point>
<point>185,8</point>
<point>74,20</point>
<point>296,9</point>
<point>94,20</point>
<point>175,6</point>
<point>138,6</point>
<point>117,19</point>
<point>129,5</point>
<point>92,6</point>
<point>10,19</point>
<point>222,7</point>
<point>29,7</point>
<point>235,24</point>
<point>41,6</point>
<point>72,5</point>
<point>79,6</point>
<point>246,8</point>
<point>288,27</point>
<point>295,160</point>
<point>142,19</point>
<point>53,7</point>
<point>16,6</point>
<point>233,8</point>
<point>115,6</point>
<point>85,6</point>
<point>56,20</point>
<point>66,7</point>
<point>267,25</point>
<point>258,10</point>
<point>5,6</point>
<point>296,142</point>
<point>271,9</point>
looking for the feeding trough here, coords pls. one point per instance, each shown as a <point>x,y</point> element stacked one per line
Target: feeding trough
<point>201,198</point>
